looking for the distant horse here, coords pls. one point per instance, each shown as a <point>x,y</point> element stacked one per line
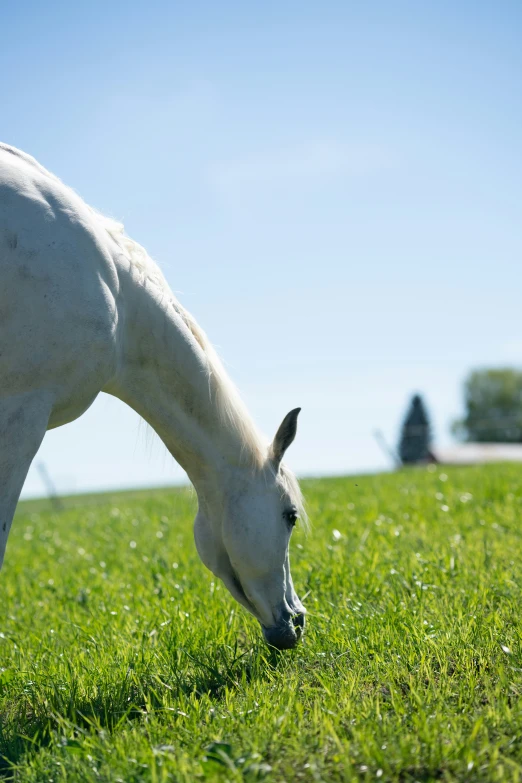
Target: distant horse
<point>83,309</point>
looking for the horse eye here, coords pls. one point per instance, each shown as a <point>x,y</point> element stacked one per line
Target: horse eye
<point>291,517</point>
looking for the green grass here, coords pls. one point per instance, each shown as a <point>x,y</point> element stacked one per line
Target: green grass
<point>128,662</point>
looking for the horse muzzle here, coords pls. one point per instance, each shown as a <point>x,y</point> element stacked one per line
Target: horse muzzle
<point>286,634</point>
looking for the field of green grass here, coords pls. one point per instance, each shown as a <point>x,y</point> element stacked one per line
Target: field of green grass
<point>123,660</point>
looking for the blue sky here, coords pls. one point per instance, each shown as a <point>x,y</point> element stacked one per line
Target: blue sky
<point>333,189</point>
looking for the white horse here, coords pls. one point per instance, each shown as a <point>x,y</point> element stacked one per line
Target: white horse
<point>83,309</point>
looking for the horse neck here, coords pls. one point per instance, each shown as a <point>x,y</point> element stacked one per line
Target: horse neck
<point>164,376</point>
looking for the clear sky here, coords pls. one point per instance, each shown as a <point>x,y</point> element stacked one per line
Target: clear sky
<point>333,189</point>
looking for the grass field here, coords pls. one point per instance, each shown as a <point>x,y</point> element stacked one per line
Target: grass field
<point>121,658</point>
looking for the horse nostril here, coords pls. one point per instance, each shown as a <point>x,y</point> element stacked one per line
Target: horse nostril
<point>299,620</point>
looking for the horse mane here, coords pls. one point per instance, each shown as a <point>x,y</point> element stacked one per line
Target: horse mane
<point>229,404</point>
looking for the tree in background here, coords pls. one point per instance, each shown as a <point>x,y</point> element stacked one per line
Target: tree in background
<point>493,402</point>
<point>414,444</point>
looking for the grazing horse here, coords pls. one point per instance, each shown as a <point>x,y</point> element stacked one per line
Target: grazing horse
<point>83,309</point>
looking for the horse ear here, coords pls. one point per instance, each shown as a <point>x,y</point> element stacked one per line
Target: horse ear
<point>284,437</point>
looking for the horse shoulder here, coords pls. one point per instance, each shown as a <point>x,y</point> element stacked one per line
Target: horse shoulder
<point>58,311</point>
